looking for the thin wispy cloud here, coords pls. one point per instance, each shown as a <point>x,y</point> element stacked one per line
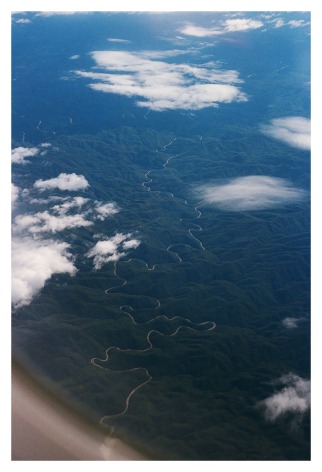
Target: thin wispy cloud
<point>292,130</point>
<point>291,322</point>
<point>64,181</point>
<point>74,57</point>
<point>112,249</point>
<point>255,192</point>
<point>277,22</point>
<point>61,13</point>
<point>223,27</point>
<point>118,40</point>
<point>23,21</point>
<point>33,263</point>
<point>159,85</point>
<point>294,398</point>
<point>298,23</point>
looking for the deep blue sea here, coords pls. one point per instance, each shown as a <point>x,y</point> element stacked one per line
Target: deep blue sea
<point>161,225</point>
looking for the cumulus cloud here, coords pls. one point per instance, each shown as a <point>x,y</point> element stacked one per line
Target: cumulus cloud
<point>74,57</point>
<point>33,263</point>
<point>112,249</point>
<point>14,194</point>
<point>70,203</point>
<point>294,398</point>
<point>255,192</point>
<point>69,213</point>
<point>104,210</point>
<point>227,26</point>
<point>292,130</point>
<point>63,182</point>
<point>159,85</point>
<point>45,222</point>
<point>18,154</point>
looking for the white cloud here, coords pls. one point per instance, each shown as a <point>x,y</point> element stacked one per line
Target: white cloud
<point>74,57</point>
<point>54,13</point>
<point>70,212</point>
<point>18,154</point>
<point>112,249</point>
<point>45,222</point>
<point>278,22</point>
<point>291,323</point>
<point>255,192</point>
<point>63,182</point>
<point>294,398</point>
<point>105,209</point>
<point>227,26</point>
<point>297,23</point>
<point>14,194</point>
<point>292,130</point>
<point>242,24</point>
<point>163,86</point>
<point>23,21</point>
<point>34,262</point>
<point>70,203</point>
<point>118,40</point>
<point>45,201</point>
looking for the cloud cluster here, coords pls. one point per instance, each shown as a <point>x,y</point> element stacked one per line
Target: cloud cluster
<point>18,154</point>
<point>112,249</point>
<point>294,398</point>
<point>292,130</point>
<point>33,263</point>
<point>69,204</point>
<point>255,192</point>
<point>160,85</point>
<point>44,222</point>
<point>64,181</point>
<point>226,26</point>
<point>68,214</point>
